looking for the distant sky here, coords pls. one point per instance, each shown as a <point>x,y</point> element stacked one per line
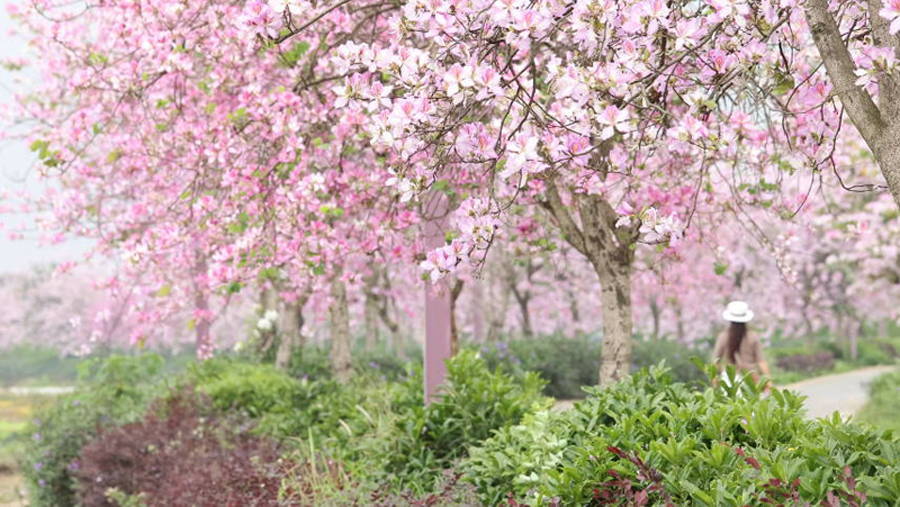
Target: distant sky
<point>17,175</point>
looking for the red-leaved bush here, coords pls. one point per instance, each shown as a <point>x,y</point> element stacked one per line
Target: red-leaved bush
<point>181,453</point>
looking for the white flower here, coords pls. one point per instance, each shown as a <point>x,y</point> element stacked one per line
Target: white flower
<point>264,325</point>
<point>271,315</point>
<point>343,95</point>
<point>612,119</point>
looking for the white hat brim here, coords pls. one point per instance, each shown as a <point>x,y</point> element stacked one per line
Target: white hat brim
<point>730,317</point>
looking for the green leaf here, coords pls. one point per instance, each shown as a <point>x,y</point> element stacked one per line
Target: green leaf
<point>784,84</point>
<point>114,155</point>
<point>39,146</point>
<point>97,59</point>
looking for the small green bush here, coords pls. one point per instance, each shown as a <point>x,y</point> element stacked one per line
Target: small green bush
<point>252,388</point>
<point>565,363</point>
<point>569,364</point>
<point>883,408</point>
<point>112,391</point>
<point>876,351</point>
<point>386,436</point>
<point>385,363</point>
<point>680,358</point>
<point>313,363</point>
<point>310,362</point>
<point>651,439</point>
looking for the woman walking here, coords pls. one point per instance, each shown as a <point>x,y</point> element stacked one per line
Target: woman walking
<point>737,345</point>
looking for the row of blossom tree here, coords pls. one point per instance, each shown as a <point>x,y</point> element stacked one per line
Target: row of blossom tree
<point>659,150</point>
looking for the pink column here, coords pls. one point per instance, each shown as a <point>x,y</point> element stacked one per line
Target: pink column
<point>437,300</point>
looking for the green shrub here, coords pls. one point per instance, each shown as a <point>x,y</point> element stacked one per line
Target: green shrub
<point>312,362</point>
<point>876,351</point>
<point>883,408</point>
<point>387,435</point>
<point>565,363</point>
<point>111,392</point>
<point>36,365</point>
<point>679,358</point>
<point>647,437</point>
<point>385,363</point>
<point>295,409</point>
<point>252,388</point>
<point>568,364</point>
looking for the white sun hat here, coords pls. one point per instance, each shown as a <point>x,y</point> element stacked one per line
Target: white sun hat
<point>737,311</point>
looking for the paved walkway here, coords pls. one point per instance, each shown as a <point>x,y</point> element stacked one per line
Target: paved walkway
<point>844,392</point>
<point>42,391</point>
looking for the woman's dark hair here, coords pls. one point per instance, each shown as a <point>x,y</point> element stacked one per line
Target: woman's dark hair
<point>736,334</point>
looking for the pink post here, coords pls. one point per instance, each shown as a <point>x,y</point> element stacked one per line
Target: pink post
<point>437,300</point>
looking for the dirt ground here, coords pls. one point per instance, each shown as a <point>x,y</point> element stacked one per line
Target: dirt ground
<point>12,489</point>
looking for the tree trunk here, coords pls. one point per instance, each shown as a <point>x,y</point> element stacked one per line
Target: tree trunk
<point>268,300</point>
<point>615,298</point>
<point>477,311</point>
<point>522,298</point>
<point>679,322</point>
<point>573,306</point>
<point>382,305</point>
<point>527,331</point>
<point>497,306</point>
<point>610,250</point>
<point>370,316</point>
<point>455,291</point>
<point>290,325</point>
<point>339,317</point>
<point>655,314</point>
<point>202,324</point>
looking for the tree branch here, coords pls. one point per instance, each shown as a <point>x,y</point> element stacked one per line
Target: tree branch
<point>839,64</point>
<point>560,213</point>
